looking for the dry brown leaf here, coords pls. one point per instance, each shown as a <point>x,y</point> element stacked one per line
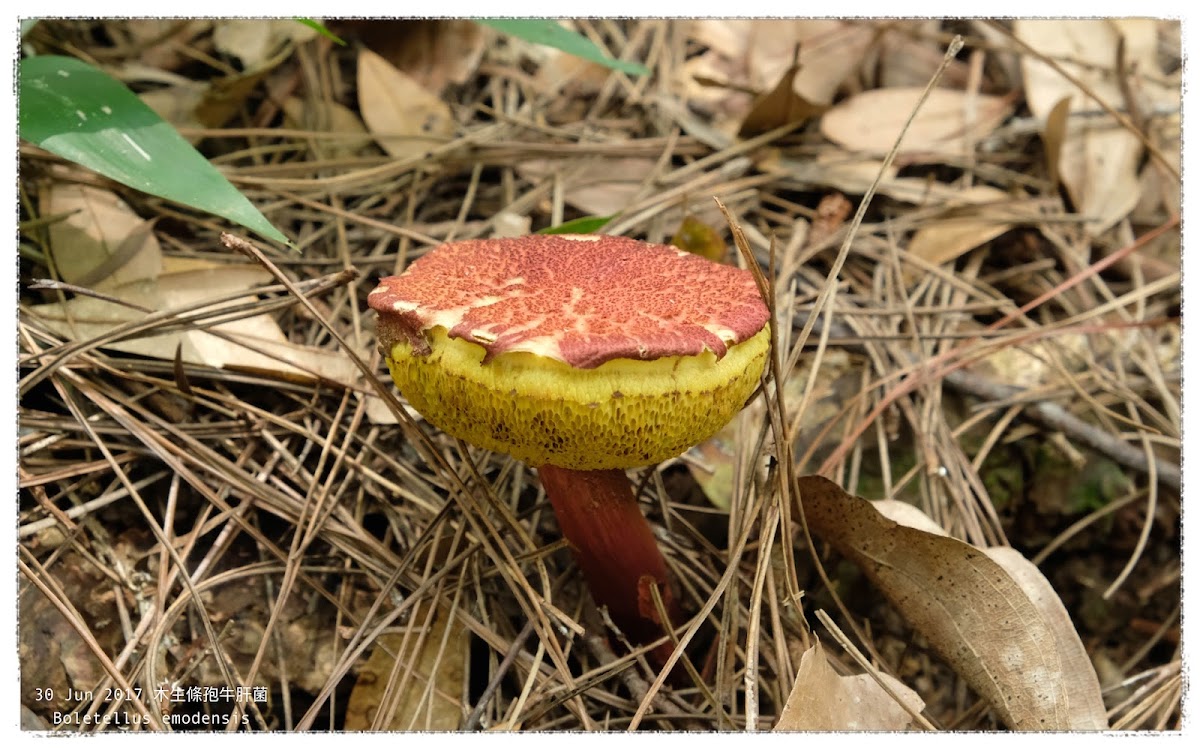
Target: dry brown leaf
<point>830,50</point>
<point>910,54</point>
<point>324,116</point>
<point>404,117</point>
<point>427,698</point>
<point>1098,160</point>
<point>854,174</point>
<point>185,282</point>
<point>871,121</point>
<point>778,107</point>
<point>1086,705</point>
<point>907,514</point>
<point>967,606</point>
<point>93,245</point>
<point>253,40</point>
<point>1083,686</point>
<point>240,612</point>
<point>752,55</point>
<point>977,215</point>
<point>824,701</point>
<point>832,212</point>
<point>1054,134</point>
<point>570,74</point>
<point>435,52</point>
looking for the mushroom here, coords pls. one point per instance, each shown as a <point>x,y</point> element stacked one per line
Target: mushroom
<point>582,355</point>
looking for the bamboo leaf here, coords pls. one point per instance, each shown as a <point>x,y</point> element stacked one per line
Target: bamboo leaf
<point>548,32</point>
<point>80,113</point>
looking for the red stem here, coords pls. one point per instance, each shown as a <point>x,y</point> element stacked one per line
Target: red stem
<point>614,547</point>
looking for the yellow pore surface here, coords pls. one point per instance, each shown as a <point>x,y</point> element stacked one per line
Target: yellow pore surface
<point>622,414</point>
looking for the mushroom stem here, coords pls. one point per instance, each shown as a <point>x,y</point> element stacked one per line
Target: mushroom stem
<point>614,547</point>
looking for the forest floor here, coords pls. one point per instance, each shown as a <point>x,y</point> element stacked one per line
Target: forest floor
<point>220,517</point>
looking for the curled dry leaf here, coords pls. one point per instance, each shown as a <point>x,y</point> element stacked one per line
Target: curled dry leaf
<point>102,243</point>
<point>969,608</point>
<point>182,283</point>
<point>824,701</point>
<point>832,212</point>
<point>778,107</point>
<point>871,121</point>
<point>419,678</point>
<point>1098,159</point>
<point>1054,134</point>
<point>1083,686</point>
<point>404,117</point>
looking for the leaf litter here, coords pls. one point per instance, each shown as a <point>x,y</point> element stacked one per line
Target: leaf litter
<point>346,557</point>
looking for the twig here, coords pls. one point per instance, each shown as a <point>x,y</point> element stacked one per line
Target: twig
<point>1052,416</point>
<point>473,719</point>
<point>954,359</point>
<point>1044,413</point>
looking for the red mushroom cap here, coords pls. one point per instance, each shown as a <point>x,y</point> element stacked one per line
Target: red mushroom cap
<point>580,299</point>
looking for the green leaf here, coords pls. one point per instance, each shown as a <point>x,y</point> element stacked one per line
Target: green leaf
<point>82,114</point>
<point>548,32</point>
<point>319,27</point>
<point>582,225</point>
